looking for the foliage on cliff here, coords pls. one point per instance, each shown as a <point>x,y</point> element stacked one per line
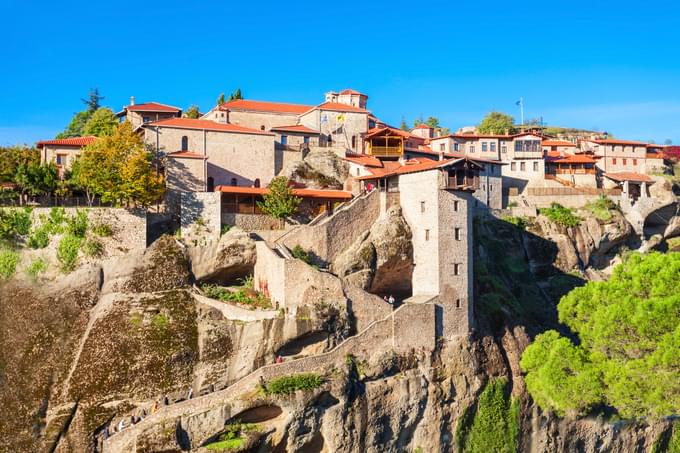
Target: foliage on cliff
<point>628,355</point>
<point>280,202</point>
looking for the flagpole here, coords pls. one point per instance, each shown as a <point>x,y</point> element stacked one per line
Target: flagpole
<point>521,109</point>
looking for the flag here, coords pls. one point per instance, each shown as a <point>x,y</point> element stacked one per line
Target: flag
<point>340,118</point>
<point>518,102</point>
<point>324,119</point>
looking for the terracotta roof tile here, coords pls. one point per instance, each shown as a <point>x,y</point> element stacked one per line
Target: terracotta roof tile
<point>337,107</point>
<point>74,141</point>
<point>613,141</point>
<point>187,155</point>
<point>628,176</point>
<point>190,123</point>
<point>557,143</point>
<point>265,106</point>
<point>351,91</point>
<point>152,107</point>
<point>296,128</point>
<point>303,193</point>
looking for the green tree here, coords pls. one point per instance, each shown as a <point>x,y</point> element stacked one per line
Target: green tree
<point>77,124</point>
<point>93,100</point>
<point>496,123</point>
<point>35,179</point>
<point>628,355</point>
<point>192,112</point>
<point>433,122</point>
<point>403,126</point>
<point>280,202</point>
<point>102,122</point>
<point>668,141</point>
<point>220,99</point>
<point>142,185</point>
<point>236,95</point>
<point>12,157</point>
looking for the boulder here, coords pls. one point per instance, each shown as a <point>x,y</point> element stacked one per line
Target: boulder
<point>381,260</point>
<point>233,257</point>
<point>321,168</point>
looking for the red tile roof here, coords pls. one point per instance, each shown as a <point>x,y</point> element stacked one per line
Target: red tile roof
<point>296,128</point>
<point>74,141</point>
<point>264,106</point>
<point>304,193</point>
<point>422,126</point>
<point>187,155</point>
<point>337,107</point>
<point>393,168</point>
<point>380,130</point>
<point>628,176</point>
<point>190,123</point>
<point>557,143</point>
<point>152,107</point>
<point>351,91</point>
<point>573,159</point>
<point>654,155</point>
<point>613,141</point>
<point>365,160</point>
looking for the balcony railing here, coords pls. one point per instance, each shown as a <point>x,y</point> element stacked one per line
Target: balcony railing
<point>460,182</point>
<point>387,151</point>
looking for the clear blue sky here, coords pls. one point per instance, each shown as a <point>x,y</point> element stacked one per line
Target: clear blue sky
<point>610,65</point>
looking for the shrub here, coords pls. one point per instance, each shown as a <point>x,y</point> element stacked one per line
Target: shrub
<point>67,252</point>
<point>286,385</point>
<point>303,255</point>
<point>57,216</point>
<point>102,229</point>
<point>39,238</point>
<point>280,202</point>
<point>245,295</point>
<point>160,320</point>
<point>8,263</point>
<point>519,222</point>
<point>232,438</point>
<point>14,223</point>
<point>76,225</point>
<point>601,208</point>
<point>560,215</point>
<point>93,248</point>
<point>225,229</point>
<point>36,267</point>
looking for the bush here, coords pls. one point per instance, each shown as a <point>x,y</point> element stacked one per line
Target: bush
<point>8,263</point>
<point>279,202</point>
<point>67,252</point>
<point>102,229</point>
<point>36,267</point>
<point>93,248</point>
<point>601,208</point>
<point>39,238</point>
<point>286,385</point>
<point>519,222</point>
<point>560,215</point>
<point>57,217</point>
<point>77,225</point>
<point>233,436</point>
<point>303,255</point>
<point>14,223</point>
<point>245,295</point>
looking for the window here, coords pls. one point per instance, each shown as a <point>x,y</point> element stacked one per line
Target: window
<point>513,166</point>
<point>535,166</point>
<point>456,233</point>
<point>422,206</point>
<point>484,146</point>
<point>262,127</point>
<point>456,269</point>
<point>456,147</point>
<point>61,159</point>
<point>504,148</point>
<point>146,119</point>
<point>256,183</point>
<point>624,161</point>
<point>490,187</point>
<point>442,147</point>
<point>634,161</point>
<point>185,143</point>
<point>234,182</point>
<point>455,205</point>
<point>354,141</point>
<point>614,161</point>
<point>492,146</point>
<point>457,303</point>
<point>427,235</point>
<point>472,148</point>
<point>305,140</point>
<point>211,184</point>
<point>518,146</point>
<point>522,166</point>
<point>284,139</point>
<point>358,171</point>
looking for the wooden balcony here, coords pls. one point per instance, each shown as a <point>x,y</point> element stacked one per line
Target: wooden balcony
<point>462,182</point>
<point>387,151</point>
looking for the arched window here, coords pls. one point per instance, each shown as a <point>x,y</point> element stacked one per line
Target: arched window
<point>234,182</point>
<point>256,183</point>
<point>211,184</point>
<point>262,127</point>
<point>185,143</point>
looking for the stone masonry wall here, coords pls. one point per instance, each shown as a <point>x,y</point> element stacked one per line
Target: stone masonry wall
<point>200,217</point>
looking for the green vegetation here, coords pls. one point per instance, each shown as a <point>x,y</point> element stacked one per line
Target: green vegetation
<point>601,208</point>
<point>160,321</point>
<point>241,295</point>
<point>629,344</point>
<point>76,225</point>
<point>14,223</point>
<point>560,215</point>
<point>80,119</point>
<point>303,255</point>
<point>285,385</point>
<point>494,426</point>
<point>519,222</point>
<point>233,437</point>
<point>225,229</point>
<point>192,112</point>
<point>36,267</point>
<point>67,251</point>
<point>102,229</point>
<point>280,202</point>
<point>496,123</point>
<point>93,247</point>
<point>8,263</point>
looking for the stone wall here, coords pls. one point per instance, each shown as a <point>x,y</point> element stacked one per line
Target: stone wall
<point>334,234</point>
<point>251,222</point>
<point>200,217</point>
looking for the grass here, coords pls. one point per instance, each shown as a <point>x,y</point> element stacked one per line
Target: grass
<point>102,229</point>
<point>225,229</point>
<point>36,267</point>
<point>286,385</point>
<point>560,215</point>
<point>67,252</point>
<point>519,222</point>
<point>76,225</point>
<point>93,247</point>
<point>136,320</point>
<point>244,295</point>
<point>303,255</point>
<point>8,263</point>
<point>233,437</point>
<point>601,208</point>
<point>39,238</point>
<point>160,321</point>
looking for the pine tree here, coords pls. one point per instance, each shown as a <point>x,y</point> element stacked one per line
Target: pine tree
<point>280,202</point>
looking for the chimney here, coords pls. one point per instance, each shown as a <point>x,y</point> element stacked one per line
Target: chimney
<point>132,100</point>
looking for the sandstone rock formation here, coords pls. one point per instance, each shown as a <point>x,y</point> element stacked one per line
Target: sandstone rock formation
<point>381,260</point>
<point>320,169</point>
<point>231,259</point>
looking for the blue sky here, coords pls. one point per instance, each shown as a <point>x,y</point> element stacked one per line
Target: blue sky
<point>599,64</point>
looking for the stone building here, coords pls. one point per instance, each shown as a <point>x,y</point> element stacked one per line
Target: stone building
<point>617,155</point>
<point>63,151</point>
<point>140,114</point>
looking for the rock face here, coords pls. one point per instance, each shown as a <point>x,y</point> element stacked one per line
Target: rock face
<point>320,169</point>
<point>232,258</point>
<point>381,260</point>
